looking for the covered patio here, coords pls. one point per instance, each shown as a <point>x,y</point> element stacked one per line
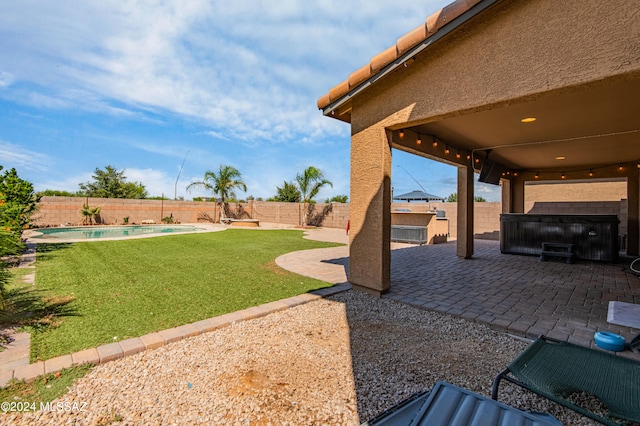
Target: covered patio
<point>516,91</point>
<point>512,293</point>
<point>516,294</point>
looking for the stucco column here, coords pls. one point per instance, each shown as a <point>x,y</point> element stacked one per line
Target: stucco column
<point>633,217</point>
<point>465,212</point>
<point>516,195</point>
<point>506,196</point>
<point>370,215</point>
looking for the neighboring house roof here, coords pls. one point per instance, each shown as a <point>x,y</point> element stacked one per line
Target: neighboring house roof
<point>436,26</point>
<point>418,196</point>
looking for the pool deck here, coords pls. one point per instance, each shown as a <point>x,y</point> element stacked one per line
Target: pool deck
<point>200,228</point>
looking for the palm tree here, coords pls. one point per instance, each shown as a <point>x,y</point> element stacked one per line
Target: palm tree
<point>309,183</point>
<point>223,183</point>
<point>88,214</point>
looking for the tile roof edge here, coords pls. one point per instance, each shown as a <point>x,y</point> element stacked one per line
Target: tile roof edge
<point>433,23</point>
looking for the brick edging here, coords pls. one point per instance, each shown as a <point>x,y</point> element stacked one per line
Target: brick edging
<point>117,350</point>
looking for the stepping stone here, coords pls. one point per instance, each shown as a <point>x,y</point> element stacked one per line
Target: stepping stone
<point>29,278</point>
<point>16,353</point>
<point>29,257</point>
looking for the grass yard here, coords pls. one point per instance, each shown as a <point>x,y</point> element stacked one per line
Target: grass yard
<point>128,288</point>
<point>45,388</point>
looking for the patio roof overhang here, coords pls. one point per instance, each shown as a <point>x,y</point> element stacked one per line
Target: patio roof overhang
<point>576,131</point>
<point>577,128</point>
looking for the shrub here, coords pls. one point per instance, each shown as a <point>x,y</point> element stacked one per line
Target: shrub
<point>17,203</point>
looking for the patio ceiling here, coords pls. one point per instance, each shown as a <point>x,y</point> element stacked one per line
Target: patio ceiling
<point>590,126</point>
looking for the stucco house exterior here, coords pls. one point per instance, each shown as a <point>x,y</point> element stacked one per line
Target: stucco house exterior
<point>542,90</point>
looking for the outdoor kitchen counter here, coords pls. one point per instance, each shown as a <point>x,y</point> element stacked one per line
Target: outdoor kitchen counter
<point>411,218</point>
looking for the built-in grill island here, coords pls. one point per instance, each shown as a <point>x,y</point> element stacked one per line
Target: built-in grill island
<point>595,237</point>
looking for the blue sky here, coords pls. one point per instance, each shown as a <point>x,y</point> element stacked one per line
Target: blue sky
<point>140,85</point>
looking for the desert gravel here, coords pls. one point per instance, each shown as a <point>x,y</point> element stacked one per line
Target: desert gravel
<point>341,360</point>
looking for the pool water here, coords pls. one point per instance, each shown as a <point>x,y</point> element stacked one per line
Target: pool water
<point>100,232</point>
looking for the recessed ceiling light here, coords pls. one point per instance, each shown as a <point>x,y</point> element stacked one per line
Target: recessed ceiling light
<point>561,157</point>
<point>528,120</point>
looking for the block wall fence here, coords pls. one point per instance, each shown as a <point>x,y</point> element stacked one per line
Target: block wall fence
<point>56,211</point>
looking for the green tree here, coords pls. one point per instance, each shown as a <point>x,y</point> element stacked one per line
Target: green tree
<point>20,305</point>
<point>338,199</point>
<point>222,183</point>
<point>287,193</point>
<point>19,202</point>
<point>111,183</point>
<point>310,181</point>
<point>89,214</point>
<point>453,198</point>
<point>58,193</point>
<point>7,247</point>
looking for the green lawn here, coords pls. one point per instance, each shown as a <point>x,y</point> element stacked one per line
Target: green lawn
<point>43,389</point>
<point>124,289</point>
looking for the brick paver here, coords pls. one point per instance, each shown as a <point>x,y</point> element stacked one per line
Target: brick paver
<point>109,352</point>
<point>87,356</point>
<point>518,294</point>
<point>152,340</point>
<point>58,363</point>
<point>188,330</point>
<point>132,346</point>
<point>29,372</point>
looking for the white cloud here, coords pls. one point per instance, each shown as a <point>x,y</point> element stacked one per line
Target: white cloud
<point>489,192</point>
<point>156,182</point>
<point>246,74</point>
<point>5,79</point>
<point>69,183</point>
<point>166,150</point>
<point>248,70</point>
<point>22,158</point>
<point>216,135</point>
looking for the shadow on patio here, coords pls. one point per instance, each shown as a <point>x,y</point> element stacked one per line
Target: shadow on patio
<point>517,294</point>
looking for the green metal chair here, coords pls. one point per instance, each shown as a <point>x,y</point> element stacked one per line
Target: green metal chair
<point>555,369</point>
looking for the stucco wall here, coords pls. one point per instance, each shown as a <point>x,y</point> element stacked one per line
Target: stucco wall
<point>55,211</point>
<point>518,50</point>
<point>575,191</point>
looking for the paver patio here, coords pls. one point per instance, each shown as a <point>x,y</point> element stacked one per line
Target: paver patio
<point>517,294</point>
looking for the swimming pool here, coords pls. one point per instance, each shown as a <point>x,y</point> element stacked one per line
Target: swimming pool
<point>109,232</point>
